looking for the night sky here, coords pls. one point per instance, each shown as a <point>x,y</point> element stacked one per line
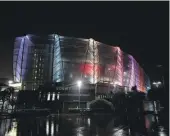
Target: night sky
<point>139,28</point>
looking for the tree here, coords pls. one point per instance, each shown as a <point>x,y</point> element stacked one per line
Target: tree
<point>5,96</point>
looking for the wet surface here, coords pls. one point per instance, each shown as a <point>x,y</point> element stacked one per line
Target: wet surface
<point>76,125</point>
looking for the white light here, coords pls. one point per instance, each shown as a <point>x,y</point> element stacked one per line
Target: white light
<point>48,96</point>
<point>79,83</point>
<point>58,96</point>
<point>88,121</point>
<point>91,41</point>
<point>159,82</point>
<point>15,84</point>
<point>155,83</point>
<point>12,132</point>
<point>53,97</point>
<point>52,128</point>
<point>116,83</point>
<point>162,134</point>
<point>118,132</point>
<point>10,82</point>
<point>27,36</point>
<point>47,127</point>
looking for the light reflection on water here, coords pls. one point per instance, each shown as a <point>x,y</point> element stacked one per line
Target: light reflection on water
<point>74,125</point>
<point>13,130</point>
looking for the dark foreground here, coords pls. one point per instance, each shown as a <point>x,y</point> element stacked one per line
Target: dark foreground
<point>76,125</point>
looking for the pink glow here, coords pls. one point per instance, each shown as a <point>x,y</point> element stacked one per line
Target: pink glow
<point>88,69</point>
<point>120,66</point>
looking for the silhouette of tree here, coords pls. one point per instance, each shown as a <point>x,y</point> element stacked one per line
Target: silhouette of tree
<point>5,96</point>
<point>134,88</point>
<point>27,99</point>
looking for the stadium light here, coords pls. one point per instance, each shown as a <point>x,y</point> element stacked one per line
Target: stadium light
<point>79,83</point>
<point>157,84</point>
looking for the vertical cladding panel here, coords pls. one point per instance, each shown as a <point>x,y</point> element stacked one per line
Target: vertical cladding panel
<point>20,58</point>
<point>132,72</point>
<point>140,80</point>
<point>96,68</point>
<point>24,55</point>
<point>27,57</point>
<point>57,62</point>
<point>120,66</point>
<point>73,56</point>
<point>18,69</point>
<point>92,60</point>
<point>135,70</point>
<point>107,63</point>
<point>136,73</point>
<point>126,70</point>
<point>138,76</point>
<point>15,56</point>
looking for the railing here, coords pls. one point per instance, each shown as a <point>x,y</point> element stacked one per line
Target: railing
<point>74,94</point>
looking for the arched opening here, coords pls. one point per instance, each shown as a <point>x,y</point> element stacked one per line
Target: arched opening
<point>101,105</point>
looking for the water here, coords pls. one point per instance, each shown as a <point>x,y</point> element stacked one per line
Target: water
<point>76,125</point>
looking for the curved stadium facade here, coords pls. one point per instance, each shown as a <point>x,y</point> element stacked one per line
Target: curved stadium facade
<point>39,59</point>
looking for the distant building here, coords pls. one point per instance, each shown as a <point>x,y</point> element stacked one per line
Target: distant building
<point>54,58</point>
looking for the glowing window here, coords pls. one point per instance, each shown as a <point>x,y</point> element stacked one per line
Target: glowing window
<point>48,97</point>
<point>58,96</point>
<point>53,97</point>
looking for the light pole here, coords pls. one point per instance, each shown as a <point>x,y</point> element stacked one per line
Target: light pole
<point>157,84</point>
<point>162,74</point>
<point>79,83</point>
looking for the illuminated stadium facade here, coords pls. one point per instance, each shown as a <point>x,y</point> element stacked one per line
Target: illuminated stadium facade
<point>66,59</point>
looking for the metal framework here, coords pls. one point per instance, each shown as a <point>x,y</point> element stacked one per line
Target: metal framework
<point>96,63</point>
<point>67,60</point>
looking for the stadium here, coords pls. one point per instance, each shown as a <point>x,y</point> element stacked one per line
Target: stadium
<point>55,58</point>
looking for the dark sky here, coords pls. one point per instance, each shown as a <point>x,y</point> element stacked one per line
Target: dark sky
<point>140,28</point>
